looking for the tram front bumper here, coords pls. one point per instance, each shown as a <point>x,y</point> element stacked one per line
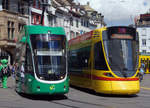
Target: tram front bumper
<point>117,87</point>
<point>125,87</point>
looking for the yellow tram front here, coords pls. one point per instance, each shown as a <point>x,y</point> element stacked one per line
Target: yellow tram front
<point>118,73</point>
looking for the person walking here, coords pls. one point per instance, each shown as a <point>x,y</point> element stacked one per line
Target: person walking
<point>5,73</point>
<point>13,71</point>
<point>1,72</point>
<point>141,71</point>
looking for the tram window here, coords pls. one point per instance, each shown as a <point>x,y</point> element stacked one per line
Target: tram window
<point>149,65</point>
<point>28,62</point>
<point>83,57</point>
<point>72,59</point>
<point>78,59</point>
<point>99,60</point>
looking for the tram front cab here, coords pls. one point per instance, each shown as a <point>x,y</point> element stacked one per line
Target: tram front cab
<point>109,83</point>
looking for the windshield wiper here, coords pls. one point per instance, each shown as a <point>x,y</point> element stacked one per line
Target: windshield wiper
<point>122,71</point>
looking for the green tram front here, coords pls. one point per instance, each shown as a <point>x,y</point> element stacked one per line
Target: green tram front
<point>45,64</point>
<point>49,57</point>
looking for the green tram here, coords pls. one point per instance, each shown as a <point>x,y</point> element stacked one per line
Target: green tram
<point>41,60</point>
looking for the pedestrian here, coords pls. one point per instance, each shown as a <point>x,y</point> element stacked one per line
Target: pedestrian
<point>5,73</point>
<point>141,71</point>
<point>13,71</point>
<point>22,73</point>
<point>16,67</point>
<point>1,72</point>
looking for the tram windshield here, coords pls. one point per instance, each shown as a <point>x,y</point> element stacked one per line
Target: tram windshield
<point>49,56</point>
<point>122,50</point>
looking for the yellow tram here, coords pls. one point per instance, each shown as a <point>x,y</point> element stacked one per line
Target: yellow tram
<point>105,60</point>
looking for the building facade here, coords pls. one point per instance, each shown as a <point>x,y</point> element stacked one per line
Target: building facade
<point>143,27</point>
<point>144,39</point>
<point>13,16</point>
<point>143,20</point>
<point>76,19</point>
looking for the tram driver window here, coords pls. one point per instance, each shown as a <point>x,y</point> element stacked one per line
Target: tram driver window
<point>99,60</point>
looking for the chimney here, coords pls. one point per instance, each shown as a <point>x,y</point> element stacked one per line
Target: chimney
<point>88,3</point>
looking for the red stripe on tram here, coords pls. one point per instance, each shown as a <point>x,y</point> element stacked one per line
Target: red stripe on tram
<point>94,77</point>
<point>114,79</point>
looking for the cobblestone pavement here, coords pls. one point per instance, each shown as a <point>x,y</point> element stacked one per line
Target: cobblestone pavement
<point>76,98</point>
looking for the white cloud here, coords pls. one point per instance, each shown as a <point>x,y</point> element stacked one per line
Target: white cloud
<point>122,11</point>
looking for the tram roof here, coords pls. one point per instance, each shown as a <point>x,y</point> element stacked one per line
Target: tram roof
<point>80,38</point>
<point>38,29</point>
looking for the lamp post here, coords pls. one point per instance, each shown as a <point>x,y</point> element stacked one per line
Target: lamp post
<point>44,5</point>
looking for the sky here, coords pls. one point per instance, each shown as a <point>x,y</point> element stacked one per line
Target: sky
<point>119,12</point>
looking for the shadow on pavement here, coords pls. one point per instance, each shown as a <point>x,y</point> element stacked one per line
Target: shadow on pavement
<point>103,95</point>
<point>43,97</point>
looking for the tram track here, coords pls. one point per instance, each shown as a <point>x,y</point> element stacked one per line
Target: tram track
<point>145,88</point>
<point>79,102</point>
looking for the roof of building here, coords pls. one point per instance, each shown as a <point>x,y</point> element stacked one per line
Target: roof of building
<point>62,2</point>
<point>87,7</point>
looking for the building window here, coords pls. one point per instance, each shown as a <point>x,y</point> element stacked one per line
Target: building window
<point>82,22</point>
<point>144,42</point>
<point>51,19</point>
<point>143,51</point>
<point>20,27</point>
<point>143,32</point>
<point>71,21</point>
<point>32,19</point>
<point>38,4</point>
<point>12,33</point>
<point>21,8</point>
<point>8,33</point>
<point>10,29</point>
<point>77,34</point>
<point>72,34</point>
<point>55,20</point>
<point>36,19</point>
<point>5,4</point>
<point>77,23</point>
<point>87,23</point>
<point>66,23</point>
<point>33,4</point>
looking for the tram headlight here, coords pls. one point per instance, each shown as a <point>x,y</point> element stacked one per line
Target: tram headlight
<point>61,77</point>
<point>42,78</point>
